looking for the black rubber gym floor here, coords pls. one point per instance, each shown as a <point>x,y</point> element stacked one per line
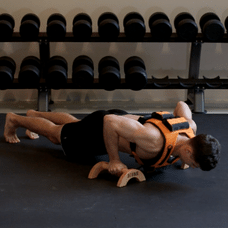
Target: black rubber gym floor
<point>40,188</point>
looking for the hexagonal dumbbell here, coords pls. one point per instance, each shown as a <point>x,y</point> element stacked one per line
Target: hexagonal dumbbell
<point>211,26</point>
<point>134,26</point>
<point>160,27</point>
<point>83,74</point>
<point>109,73</point>
<point>186,26</point>
<point>108,26</point>
<point>29,74</point>
<point>82,26</point>
<point>56,72</point>
<point>56,26</point>
<point>135,73</point>
<point>30,26</point>
<point>7,24</point>
<point>7,70</point>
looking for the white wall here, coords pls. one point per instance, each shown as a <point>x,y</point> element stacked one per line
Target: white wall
<point>161,59</point>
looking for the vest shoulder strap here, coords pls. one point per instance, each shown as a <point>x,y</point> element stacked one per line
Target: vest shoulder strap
<point>162,115</point>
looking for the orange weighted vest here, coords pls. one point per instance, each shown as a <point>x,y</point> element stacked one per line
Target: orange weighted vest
<point>170,127</point>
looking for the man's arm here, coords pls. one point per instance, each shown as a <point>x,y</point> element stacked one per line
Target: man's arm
<point>120,126</point>
<point>183,110</point>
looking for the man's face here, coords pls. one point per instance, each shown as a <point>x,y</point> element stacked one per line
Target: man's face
<point>186,156</point>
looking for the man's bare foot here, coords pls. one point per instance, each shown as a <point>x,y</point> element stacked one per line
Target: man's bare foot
<point>30,134</point>
<point>10,129</point>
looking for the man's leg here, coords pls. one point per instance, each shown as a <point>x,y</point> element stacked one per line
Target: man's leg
<point>58,118</point>
<point>34,124</point>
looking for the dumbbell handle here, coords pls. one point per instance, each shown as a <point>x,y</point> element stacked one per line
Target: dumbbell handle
<point>126,175</point>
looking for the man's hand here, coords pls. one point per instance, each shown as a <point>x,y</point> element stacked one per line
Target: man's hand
<point>115,167</point>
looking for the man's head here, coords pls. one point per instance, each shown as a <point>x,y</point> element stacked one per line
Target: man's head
<point>206,151</point>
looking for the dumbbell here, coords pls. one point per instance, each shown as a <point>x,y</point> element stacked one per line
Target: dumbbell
<point>29,74</point>
<point>134,26</point>
<point>7,24</point>
<point>108,26</point>
<point>56,26</point>
<point>56,72</point>
<point>30,26</point>
<point>226,23</point>
<point>83,74</point>
<point>186,26</point>
<point>135,73</point>
<point>211,27</point>
<point>109,73</point>
<point>7,70</point>
<point>82,26</point>
<point>160,26</point>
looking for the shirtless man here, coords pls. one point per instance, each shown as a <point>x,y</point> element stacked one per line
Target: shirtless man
<point>102,132</point>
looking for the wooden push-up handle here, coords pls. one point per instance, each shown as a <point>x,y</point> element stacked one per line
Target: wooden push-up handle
<point>126,175</point>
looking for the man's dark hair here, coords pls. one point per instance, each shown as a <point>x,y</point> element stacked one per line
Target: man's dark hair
<point>206,151</point>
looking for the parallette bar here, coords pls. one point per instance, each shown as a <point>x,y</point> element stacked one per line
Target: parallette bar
<point>127,174</point>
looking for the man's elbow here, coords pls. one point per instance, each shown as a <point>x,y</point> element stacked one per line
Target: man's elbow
<point>181,103</point>
<point>178,107</point>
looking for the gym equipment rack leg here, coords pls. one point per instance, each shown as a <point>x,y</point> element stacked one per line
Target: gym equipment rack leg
<point>43,93</point>
<point>195,96</point>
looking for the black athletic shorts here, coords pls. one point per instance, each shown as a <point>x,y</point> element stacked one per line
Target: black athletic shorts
<point>84,139</point>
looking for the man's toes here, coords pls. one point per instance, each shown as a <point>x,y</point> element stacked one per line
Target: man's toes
<point>14,140</point>
<point>32,135</point>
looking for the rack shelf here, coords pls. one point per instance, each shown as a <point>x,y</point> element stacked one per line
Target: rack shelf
<point>151,84</point>
<point>121,38</point>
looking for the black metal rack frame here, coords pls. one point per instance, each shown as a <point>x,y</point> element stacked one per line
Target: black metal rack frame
<point>193,84</point>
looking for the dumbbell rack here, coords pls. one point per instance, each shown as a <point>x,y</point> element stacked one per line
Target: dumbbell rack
<point>193,84</point>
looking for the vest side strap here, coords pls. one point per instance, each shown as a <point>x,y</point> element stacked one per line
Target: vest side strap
<point>137,158</point>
